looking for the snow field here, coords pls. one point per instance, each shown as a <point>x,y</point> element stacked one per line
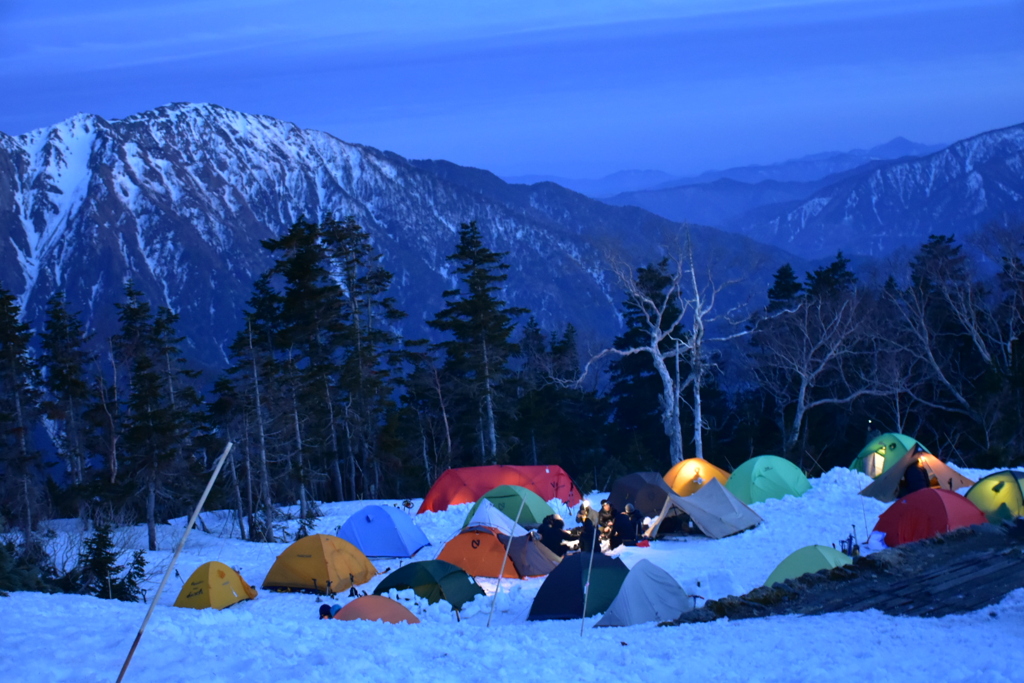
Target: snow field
<point>278,637</point>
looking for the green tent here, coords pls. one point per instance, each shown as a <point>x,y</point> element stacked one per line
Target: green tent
<point>1000,496</point>
<point>434,580</point>
<point>767,476</point>
<point>883,452</point>
<point>508,499</point>
<point>808,560</point>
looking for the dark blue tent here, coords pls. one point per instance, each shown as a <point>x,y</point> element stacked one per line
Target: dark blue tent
<point>561,594</point>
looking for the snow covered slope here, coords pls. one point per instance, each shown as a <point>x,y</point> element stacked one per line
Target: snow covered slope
<point>278,637</point>
<point>178,199</point>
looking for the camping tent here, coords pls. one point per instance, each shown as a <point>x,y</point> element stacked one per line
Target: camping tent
<point>509,499</point>
<point>882,452</point>
<point>561,595</point>
<point>648,593</point>
<point>886,487</point>
<point>376,608</point>
<point>926,513</point>
<point>434,580</point>
<point>687,476</point>
<point>383,531</point>
<point>468,484</point>
<point>479,552</point>
<point>215,585</point>
<point>716,512</point>
<point>999,496</point>
<point>807,560</point>
<point>321,563</point>
<point>487,515</point>
<point>646,491</point>
<point>531,557</point>
<point>767,476</point>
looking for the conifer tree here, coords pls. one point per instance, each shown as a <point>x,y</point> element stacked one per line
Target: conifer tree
<point>480,326</point>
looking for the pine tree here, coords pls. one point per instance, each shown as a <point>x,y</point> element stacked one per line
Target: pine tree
<point>785,289</point>
<point>480,326</point>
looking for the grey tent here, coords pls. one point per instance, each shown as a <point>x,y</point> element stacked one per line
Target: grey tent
<point>886,487</point>
<point>649,593</point>
<point>531,557</point>
<point>714,510</point>
<point>487,514</point>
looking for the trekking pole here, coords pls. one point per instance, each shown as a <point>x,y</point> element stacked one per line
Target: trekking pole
<point>174,558</point>
<point>586,586</point>
<point>508,547</point>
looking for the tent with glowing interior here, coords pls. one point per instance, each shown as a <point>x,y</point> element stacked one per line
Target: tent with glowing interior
<point>688,476</point>
<point>767,476</point>
<point>383,531</point>
<point>1000,495</point>
<point>468,484</point>
<point>808,560</point>
<point>927,513</point>
<point>321,563</point>
<point>882,452</point>
<point>216,585</point>
<point>887,486</point>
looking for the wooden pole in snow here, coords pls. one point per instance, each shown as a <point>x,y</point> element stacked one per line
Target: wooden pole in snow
<point>174,558</point>
<point>504,560</point>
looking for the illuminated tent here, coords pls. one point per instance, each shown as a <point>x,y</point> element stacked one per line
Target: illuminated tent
<point>649,593</point>
<point>376,608</point>
<point>883,452</point>
<point>1000,496</point>
<point>215,585</point>
<point>320,563</point>
<point>808,560</point>
<point>433,580</point>
<point>927,513</point>
<point>561,596</point>
<point>510,499</point>
<point>886,487</point>
<point>383,531</point>
<point>767,476</point>
<point>468,484</point>
<point>689,475</point>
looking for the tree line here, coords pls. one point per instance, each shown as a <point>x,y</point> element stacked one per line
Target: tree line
<point>325,400</point>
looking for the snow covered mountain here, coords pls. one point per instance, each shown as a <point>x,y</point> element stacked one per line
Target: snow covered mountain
<point>900,203</point>
<point>178,199</point>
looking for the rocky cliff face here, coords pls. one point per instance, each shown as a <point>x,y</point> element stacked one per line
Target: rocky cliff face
<point>178,199</point>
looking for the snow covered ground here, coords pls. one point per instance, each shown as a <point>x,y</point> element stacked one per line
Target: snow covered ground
<point>278,637</point>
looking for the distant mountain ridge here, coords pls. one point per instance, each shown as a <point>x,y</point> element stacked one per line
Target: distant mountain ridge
<point>178,199</point>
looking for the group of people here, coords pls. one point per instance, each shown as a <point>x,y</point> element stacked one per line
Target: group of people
<point>596,526</point>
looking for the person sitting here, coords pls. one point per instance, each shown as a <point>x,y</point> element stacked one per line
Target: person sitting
<point>626,528</point>
<point>605,519</point>
<point>553,534</point>
<point>914,479</point>
<point>590,536</point>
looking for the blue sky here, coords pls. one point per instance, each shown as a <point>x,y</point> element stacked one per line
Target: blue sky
<point>578,88</point>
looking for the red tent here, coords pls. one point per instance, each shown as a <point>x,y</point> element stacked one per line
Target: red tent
<point>927,513</point>
<point>468,484</point>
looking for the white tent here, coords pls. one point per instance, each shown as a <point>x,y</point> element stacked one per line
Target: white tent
<point>715,511</point>
<point>489,515</point>
<point>649,593</point>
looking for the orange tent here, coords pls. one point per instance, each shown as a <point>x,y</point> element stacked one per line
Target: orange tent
<point>688,476</point>
<point>479,551</point>
<point>376,608</point>
<point>468,484</point>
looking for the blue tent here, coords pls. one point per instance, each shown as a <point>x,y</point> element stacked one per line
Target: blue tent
<point>381,531</point>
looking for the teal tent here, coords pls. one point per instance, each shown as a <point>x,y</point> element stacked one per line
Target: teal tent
<point>510,499</point>
<point>767,476</point>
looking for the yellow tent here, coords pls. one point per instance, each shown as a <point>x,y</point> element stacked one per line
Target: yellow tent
<point>214,585</point>
<point>320,563</point>
<point>999,495</point>
<point>689,475</point>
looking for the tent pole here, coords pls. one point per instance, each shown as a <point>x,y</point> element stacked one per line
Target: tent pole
<point>586,588</point>
<point>174,558</point>
<point>503,561</point>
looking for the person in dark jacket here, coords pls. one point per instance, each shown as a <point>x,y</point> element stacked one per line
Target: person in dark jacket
<point>914,479</point>
<point>626,527</point>
<point>553,534</point>
<point>605,519</point>
<point>590,536</point>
